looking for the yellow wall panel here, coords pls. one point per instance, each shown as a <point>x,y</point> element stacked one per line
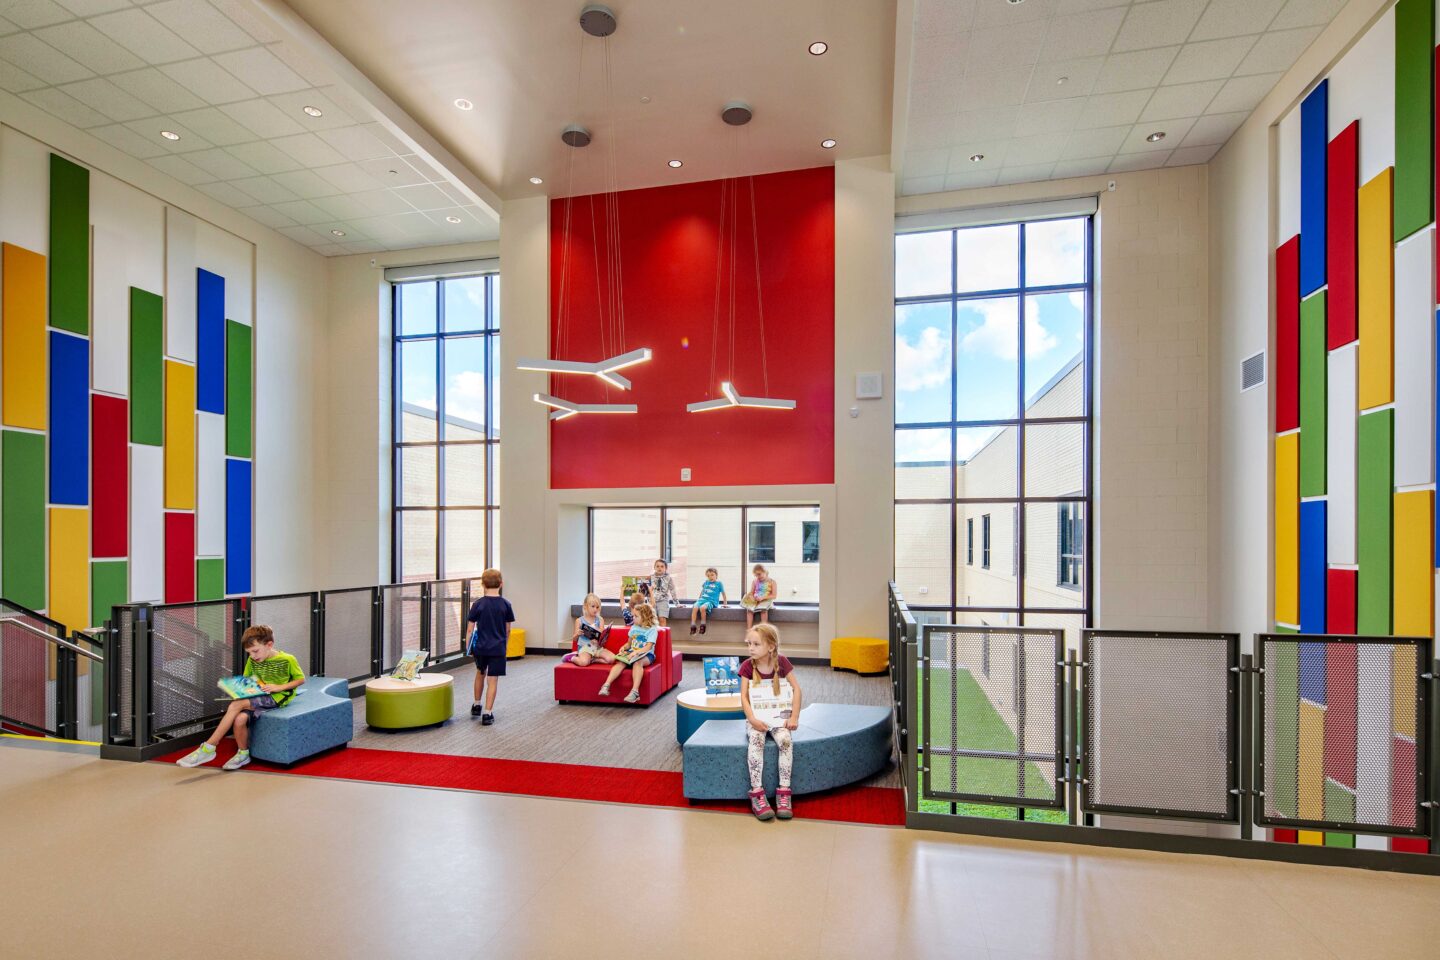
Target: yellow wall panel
<point>1312,761</point>
<point>1375,281</point>
<point>179,436</point>
<point>1402,696</point>
<point>70,566</point>
<point>1311,838</point>
<point>22,317</point>
<point>1414,564</point>
<point>1287,528</point>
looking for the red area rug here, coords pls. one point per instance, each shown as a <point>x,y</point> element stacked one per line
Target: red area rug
<point>564,781</point>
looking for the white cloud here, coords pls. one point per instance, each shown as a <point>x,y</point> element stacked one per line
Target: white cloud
<point>996,334</point>
<point>922,446</point>
<point>466,396</point>
<point>923,364</point>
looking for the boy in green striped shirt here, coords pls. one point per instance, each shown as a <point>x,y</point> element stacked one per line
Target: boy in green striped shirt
<point>278,674</point>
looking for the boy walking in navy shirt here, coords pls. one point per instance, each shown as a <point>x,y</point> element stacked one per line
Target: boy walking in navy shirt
<point>492,616</point>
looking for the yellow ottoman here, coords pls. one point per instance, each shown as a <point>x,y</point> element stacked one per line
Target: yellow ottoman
<point>515,649</point>
<point>861,654</point>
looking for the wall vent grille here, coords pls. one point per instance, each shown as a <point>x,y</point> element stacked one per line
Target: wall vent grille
<point>1252,372</point>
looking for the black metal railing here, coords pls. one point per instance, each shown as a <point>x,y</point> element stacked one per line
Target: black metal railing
<point>48,677</point>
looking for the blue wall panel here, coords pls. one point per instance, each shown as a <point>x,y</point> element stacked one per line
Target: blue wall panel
<point>210,335</point>
<point>238,482</point>
<point>69,419</point>
<point>1314,139</point>
<point>1312,566</point>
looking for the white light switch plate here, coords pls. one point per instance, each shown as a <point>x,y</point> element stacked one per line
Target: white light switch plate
<point>869,386</point>
<point>684,474</point>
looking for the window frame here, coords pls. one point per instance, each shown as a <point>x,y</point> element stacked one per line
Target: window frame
<point>750,546</point>
<point>1065,537</point>
<point>985,541</point>
<point>805,556</point>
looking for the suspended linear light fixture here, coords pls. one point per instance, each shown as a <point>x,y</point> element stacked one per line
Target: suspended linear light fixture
<point>560,409</point>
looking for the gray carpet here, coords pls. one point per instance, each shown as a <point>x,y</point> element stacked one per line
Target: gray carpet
<point>530,725</point>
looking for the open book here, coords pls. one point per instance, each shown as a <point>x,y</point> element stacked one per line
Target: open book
<point>409,666</point>
<point>240,688</point>
<point>595,638</point>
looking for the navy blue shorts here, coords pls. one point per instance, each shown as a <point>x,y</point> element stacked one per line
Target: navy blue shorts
<point>490,666</point>
<point>262,702</point>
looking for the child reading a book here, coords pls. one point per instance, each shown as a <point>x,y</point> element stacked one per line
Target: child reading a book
<point>760,597</point>
<point>639,650</point>
<point>492,616</point>
<point>712,595</point>
<point>770,697</point>
<point>662,591</point>
<point>278,674</point>
<point>590,634</point>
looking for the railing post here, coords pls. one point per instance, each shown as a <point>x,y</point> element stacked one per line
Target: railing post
<point>239,622</point>
<point>427,591</point>
<point>1071,733</point>
<point>140,675</point>
<point>1247,729</point>
<point>65,679</point>
<point>317,636</point>
<point>377,625</point>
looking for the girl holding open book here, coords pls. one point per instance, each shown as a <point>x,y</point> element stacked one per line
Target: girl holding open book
<point>637,654</point>
<point>770,696</point>
<point>590,633</point>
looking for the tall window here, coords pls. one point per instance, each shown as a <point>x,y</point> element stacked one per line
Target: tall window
<point>762,542</point>
<point>447,442</point>
<point>810,541</point>
<point>992,419</point>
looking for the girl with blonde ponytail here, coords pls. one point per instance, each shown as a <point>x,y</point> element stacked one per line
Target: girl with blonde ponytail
<point>770,696</point>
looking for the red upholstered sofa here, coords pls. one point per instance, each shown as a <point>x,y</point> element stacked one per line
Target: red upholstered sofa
<point>574,683</point>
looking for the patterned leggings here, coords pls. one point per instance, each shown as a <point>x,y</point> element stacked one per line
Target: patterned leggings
<point>755,755</point>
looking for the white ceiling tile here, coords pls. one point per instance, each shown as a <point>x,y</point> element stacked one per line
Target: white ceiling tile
<point>181,169</point>
<point>1307,13</point>
<point>382,202</point>
<point>389,138</point>
<point>150,128</point>
<point>31,55</point>
<point>1215,129</point>
<point>14,79</point>
<point>1000,49</point>
<point>1140,70</point>
<point>1085,144</point>
<point>971,179</point>
<point>31,14</point>
<point>221,164</point>
<point>353,232</point>
<point>939,57</point>
<point>208,81</point>
<point>121,136</point>
<point>60,104</point>
<point>264,157</point>
<point>1112,109</point>
<point>395,172</point>
<point>1210,60</point>
<point>926,163</point>
<point>263,117</point>
<point>268,216</point>
<point>919,185</point>
<point>226,194</point>
<point>215,126</point>
<point>349,178</point>
<point>355,143</point>
<point>333,114</point>
<point>309,149</point>
<point>144,36</point>
<point>1038,148</point>
<point>1188,155</point>
<point>89,8</point>
<point>937,98</point>
<point>364,246</point>
<point>302,211</point>
<point>1025,173</point>
<point>331,249</point>
<point>262,70</point>
<point>943,16</point>
<point>313,73</point>
<point>305,235</point>
<point>201,25</point>
<point>920,133</point>
<point>1158,24</point>
<point>305,184</point>
<point>1132,162</point>
<point>159,91</point>
<point>1082,35</point>
<point>1243,93</point>
<point>425,196</point>
<point>241,12</point>
<point>997,123</point>
<point>1081,168</point>
<point>266,189</point>
<point>344,207</point>
<point>1059,116</point>
<point>1276,52</point>
<point>1063,79</point>
<point>89,46</point>
<point>1003,13</point>
<point>1235,18</point>
<point>1181,100</point>
<point>6,27</point>
<point>1174,130</point>
<point>109,99</point>
<point>994,89</point>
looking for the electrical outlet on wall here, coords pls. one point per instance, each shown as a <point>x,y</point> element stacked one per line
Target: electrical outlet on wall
<point>684,474</point>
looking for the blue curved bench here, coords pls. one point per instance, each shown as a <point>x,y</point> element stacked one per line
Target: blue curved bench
<point>320,717</point>
<point>835,744</point>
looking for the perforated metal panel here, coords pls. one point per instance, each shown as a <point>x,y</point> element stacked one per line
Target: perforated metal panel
<point>121,661</point>
<point>192,648</point>
<point>402,613</point>
<point>348,621</point>
<point>447,617</point>
<point>1344,725</point>
<point>1161,712</point>
<point>289,617</point>
<point>24,669</point>
<point>992,738</point>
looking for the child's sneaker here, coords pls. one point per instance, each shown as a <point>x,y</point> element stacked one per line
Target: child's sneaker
<point>201,754</point>
<point>632,696</point>
<point>693,628</point>
<point>702,628</point>
<point>487,720</point>
<point>784,809</point>
<point>760,806</point>
<point>241,758</point>
<point>476,709</point>
<point>605,690</point>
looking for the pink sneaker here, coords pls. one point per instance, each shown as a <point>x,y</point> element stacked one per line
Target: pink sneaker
<point>784,809</point>
<point>760,806</point>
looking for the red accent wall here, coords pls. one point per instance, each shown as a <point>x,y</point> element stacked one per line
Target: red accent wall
<point>179,557</point>
<point>110,489</point>
<point>669,242</point>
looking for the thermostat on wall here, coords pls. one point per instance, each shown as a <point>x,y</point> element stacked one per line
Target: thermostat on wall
<point>869,386</point>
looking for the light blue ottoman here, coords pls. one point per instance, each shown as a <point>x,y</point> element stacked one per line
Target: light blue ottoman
<point>318,718</point>
<point>836,744</point>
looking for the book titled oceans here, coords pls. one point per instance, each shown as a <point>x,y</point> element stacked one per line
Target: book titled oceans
<point>722,675</point>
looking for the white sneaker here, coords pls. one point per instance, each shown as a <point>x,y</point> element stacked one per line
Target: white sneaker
<point>200,755</point>
<point>632,696</point>
<point>239,760</point>
<point>605,690</point>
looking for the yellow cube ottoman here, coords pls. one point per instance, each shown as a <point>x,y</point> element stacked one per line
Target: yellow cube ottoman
<point>515,649</point>
<point>861,654</point>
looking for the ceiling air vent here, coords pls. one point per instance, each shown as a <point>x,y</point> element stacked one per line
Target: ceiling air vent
<point>1252,371</point>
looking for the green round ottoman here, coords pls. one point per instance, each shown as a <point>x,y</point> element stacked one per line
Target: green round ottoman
<point>392,704</point>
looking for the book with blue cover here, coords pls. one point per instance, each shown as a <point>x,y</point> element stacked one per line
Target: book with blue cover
<point>722,676</point>
<point>240,687</point>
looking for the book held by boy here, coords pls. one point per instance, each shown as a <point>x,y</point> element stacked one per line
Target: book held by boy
<point>240,687</point>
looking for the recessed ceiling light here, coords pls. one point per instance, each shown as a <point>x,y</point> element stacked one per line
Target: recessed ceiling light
<point>536,180</point>
<point>314,111</point>
<point>464,104</point>
<point>1015,3</point>
<point>1155,137</point>
<point>452,219</point>
<point>827,143</point>
<point>677,163</point>
<point>1060,82</point>
<point>976,157</point>
<point>644,99</point>
<point>338,233</point>
<point>169,134</point>
<point>819,47</point>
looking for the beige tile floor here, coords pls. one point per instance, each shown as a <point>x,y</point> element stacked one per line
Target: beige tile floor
<point>113,860</point>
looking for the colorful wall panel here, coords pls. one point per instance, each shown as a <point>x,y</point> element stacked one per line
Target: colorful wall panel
<point>69,600</point>
<point>179,557</point>
<point>1376,291</point>
<point>110,314</point>
<point>22,338</point>
<point>22,518</point>
<point>1414,137</point>
<point>1287,529</point>
<point>1414,359</point>
<point>69,246</point>
<point>1414,564</point>
<point>239,524</point>
<point>147,523</point>
<point>69,419</point>
<point>1314,114</point>
<point>1340,457</point>
<point>179,436</point>
<point>109,418</point>
<point>1342,180</point>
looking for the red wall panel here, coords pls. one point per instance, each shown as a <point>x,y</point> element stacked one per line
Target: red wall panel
<point>1343,183</point>
<point>673,267</point>
<point>179,557</point>
<point>110,487</point>
<point>1340,600</point>
<point>1340,709</point>
<point>1287,335</point>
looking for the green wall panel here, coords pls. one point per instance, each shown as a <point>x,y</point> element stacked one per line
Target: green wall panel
<point>22,518</point>
<point>147,368</point>
<point>1374,515</point>
<point>1339,806</point>
<point>237,389</point>
<point>1414,89</point>
<point>1284,666</point>
<point>69,246</point>
<point>210,579</point>
<point>1312,396</point>
<point>109,586</point>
